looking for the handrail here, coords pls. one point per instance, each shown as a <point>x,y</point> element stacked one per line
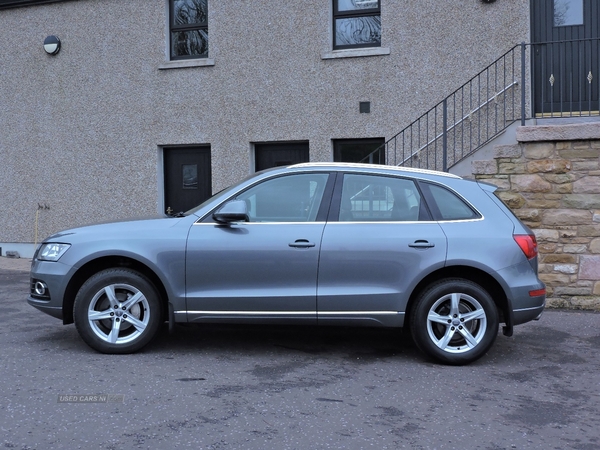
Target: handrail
<point>451,127</point>
<point>500,103</point>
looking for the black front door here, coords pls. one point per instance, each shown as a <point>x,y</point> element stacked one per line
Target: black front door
<point>280,154</point>
<point>565,56</point>
<point>187,178</point>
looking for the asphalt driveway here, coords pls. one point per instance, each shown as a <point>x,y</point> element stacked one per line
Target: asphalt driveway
<point>293,388</point>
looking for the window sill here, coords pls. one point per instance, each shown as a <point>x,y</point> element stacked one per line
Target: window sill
<point>356,53</point>
<point>183,64</point>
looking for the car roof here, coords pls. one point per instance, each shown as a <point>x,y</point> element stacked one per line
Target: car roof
<point>373,167</point>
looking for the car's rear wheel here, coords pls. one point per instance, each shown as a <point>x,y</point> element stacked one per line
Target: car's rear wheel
<point>117,311</point>
<point>454,321</point>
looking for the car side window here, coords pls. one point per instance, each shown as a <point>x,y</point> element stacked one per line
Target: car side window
<point>290,198</point>
<point>450,205</point>
<point>379,198</point>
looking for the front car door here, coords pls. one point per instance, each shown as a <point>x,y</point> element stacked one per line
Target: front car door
<point>378,244</point>
<point>265,268</point>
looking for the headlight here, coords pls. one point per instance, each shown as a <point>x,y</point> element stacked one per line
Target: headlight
<point>52,251</point>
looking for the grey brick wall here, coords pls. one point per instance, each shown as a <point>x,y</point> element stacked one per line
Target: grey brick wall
<point>81,132</point>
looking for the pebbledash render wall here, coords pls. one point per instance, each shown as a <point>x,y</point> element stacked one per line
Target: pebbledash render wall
<point>82,133</point>
<point>551,180</point>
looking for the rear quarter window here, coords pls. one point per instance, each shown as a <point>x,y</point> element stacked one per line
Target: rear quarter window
<point>447,205</point>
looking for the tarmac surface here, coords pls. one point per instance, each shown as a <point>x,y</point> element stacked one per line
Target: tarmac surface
<point>19,264</point>
<point>242,387</point>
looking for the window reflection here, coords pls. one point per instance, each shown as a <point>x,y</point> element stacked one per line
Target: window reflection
<point>190,176</point>
<point>358,31</point>
<point>568,12</point>
<point>353,5</point>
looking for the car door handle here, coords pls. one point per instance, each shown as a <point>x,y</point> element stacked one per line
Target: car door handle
<point>421,244</point>
<point>301,243</point>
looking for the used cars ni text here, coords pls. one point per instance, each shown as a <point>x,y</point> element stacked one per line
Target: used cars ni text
<point>321,243</point>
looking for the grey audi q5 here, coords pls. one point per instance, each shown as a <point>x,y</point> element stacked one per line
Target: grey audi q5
<point>319,244</point>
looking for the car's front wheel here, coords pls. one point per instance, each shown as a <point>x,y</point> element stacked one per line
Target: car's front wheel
<point>117,311</point>
<point>454,321</point>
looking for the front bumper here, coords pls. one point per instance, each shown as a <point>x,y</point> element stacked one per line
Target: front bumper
<point>54,275</point>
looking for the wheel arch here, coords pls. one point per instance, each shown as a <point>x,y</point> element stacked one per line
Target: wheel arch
<point>108,262</point>
<point>478,276</point>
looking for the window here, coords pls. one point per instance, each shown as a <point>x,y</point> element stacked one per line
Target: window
<point>189,29</point>
<point>356,24</point>
<point>374,198</point>
<point>447,205</point>
<point>359,150</point>
<point>292,198</point>
<point>568,12</point>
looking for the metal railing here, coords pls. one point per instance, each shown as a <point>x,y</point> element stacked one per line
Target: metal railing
<point>497,97</point>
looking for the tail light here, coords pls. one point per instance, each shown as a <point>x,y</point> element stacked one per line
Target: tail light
<point>528,244</point>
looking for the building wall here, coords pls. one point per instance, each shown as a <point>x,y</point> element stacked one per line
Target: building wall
<point>551,180</point>
<point>83,131</point>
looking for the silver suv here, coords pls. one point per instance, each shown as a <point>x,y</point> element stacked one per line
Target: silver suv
<point>323,243</point>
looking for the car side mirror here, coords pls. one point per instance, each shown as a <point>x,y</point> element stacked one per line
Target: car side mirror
<point>233,211</point>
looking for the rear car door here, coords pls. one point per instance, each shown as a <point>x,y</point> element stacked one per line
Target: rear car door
<point>378,243</point>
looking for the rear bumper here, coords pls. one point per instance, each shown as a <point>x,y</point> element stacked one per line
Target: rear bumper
<point>522,307</point>
<point>528,314</point>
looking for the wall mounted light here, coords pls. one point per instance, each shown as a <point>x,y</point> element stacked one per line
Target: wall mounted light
<point>52,45</point>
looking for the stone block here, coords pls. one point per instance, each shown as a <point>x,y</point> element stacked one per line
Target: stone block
<point>563,188</point>
<point>581,201</point>
<point>513,200</point>
<point>586,302</point>
<point>532,215</point>
<point>530,183</point>
<point>575,248</point>
<point>546,247</point>
<point>567,233</point>
<point>503,183</point>
<point>559,132</point>
<point>587,185</point>
<point>588,165</point>
<point>508,151</point>
<point>570,291</point>
<point>484,167</point>
<point>566,217</point>
<point>596,290</point>
<point>543,203</point>
<point>544,234</point>
<point>555,279</point>
<point>589,267</point>
<point>557,302</point>
<point>511,167</point>
<point>579,153</point>
<point>562,178</point>
<point>560,258</point>
<point>595,246</point>
<point>565,268</point>
<point>540,150</point>
<point>596,216</point>
<point>588,230</point>
<point>549,166</point>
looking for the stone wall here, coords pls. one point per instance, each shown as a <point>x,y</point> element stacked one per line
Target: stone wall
<point>551,180</point>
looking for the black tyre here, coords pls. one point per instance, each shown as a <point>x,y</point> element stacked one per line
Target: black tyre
<point>117,311</point>
<point>454,321</point>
